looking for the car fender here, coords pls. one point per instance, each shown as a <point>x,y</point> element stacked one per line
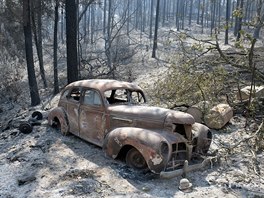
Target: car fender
<point>204,137</point>
<point>61,115</point>
<point>147,142</point>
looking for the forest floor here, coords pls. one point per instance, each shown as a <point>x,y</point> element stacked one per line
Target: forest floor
<point>44,163</point>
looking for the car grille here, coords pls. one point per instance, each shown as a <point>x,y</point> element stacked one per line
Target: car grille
<point>179,155</point>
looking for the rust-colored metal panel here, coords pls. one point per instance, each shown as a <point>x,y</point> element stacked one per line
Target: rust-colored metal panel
<point>73,117</point>
<point>59,114</point>
<point>103,84</point>
<point>92,124</point>
<point>147,142</point>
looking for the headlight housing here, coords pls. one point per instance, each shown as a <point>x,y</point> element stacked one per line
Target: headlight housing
<point>164,149</point>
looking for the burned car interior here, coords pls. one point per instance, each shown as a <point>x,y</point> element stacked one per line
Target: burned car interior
<point>75,94</point>
<point>124,96</point>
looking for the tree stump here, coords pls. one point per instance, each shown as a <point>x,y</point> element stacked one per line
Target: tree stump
<point>199,110</point>
<point>218,116</point>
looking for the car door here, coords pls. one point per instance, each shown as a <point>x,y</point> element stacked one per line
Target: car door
<point>92,119</point>
<point>73,104</point>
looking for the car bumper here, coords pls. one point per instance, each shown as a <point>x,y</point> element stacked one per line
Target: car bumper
<point>186,168</point>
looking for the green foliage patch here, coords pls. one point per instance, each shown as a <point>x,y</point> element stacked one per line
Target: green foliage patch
<point>187,84</point>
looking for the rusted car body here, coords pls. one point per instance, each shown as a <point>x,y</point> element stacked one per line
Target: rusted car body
<point>113,115</point>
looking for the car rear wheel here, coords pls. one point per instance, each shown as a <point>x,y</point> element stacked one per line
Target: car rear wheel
<point>135,159</point>
<point>57,125</point>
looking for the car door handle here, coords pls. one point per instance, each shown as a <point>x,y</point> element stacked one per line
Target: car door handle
<point>123,119</point>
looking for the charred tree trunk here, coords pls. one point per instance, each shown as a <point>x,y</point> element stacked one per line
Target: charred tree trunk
<point>202,17</point>
<point>173,9</point>
<point>104,23</point>
<point>137,14</point>
<point>260,22</point>
<point>85,27</point>
<point>178,15</point>
<point>236,19</point>
<point>227,20</point>
<point>37,26</point>
<point>71,37</point>
<point>108,40</point>
<point>33,87</point>
<point>155,41</point>
<point>92,24</point>
<point>190,13</point>
<point>232,16</point>
<point>55,47</point>
<point>151,18</point>
<point>239,28</point>
<point>219,15</point>
<point>128,17</point>
<point>198,14</point>
<point>184,8</point>
<point>207,13</point>
<point>88,23</point>
<point>164,13</point>
<point>144,16</point>
<point>213,11</point>
<point>62,26</point>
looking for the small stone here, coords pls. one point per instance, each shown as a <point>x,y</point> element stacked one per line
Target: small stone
<point>145,189</point>
<point>185,185</point>
<point>26,179</point>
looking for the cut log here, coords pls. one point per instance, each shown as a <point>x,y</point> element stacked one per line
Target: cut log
<point>218,116</point>
<point>245,92</point>
<point>199,110</point>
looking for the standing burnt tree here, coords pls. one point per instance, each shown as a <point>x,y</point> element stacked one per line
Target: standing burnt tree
<point>55,48</point>
<point>36,14</point>
<point>71,40</point>
<point>227,20</point>
<point>155,41</point>
<point>239,25</point>
<point>151,18</point>
<point>33,87</point>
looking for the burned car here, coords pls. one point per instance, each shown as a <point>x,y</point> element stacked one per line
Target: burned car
<point>113,115</point>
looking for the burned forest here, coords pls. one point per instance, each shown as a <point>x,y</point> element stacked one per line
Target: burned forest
<point>132,98</point>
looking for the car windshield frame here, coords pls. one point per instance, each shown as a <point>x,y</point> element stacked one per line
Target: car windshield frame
<point>124,96</point>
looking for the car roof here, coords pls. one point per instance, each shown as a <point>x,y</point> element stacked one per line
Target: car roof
<point>104,84</point>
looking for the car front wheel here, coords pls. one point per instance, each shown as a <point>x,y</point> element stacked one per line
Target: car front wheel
<point>135,159</point>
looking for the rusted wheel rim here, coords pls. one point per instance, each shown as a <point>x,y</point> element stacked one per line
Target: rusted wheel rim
<point>134,159</point>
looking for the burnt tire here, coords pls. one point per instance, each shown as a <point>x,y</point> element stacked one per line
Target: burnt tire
<point>25,127</point>
<point>37,115</point>
<point>135,159</point>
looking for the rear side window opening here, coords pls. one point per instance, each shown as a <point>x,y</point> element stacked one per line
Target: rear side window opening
<point>74,95</point>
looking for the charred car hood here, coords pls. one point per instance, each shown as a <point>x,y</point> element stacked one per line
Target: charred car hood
<point>155,113</point>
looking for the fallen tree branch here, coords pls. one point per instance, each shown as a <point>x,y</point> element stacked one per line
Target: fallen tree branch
<point>248,138</point>
<point>255,162</point>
